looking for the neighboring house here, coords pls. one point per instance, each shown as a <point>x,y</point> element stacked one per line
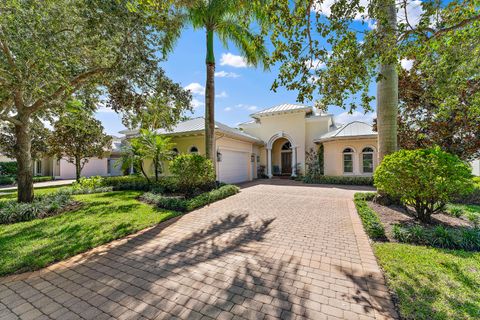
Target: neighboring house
<point>476,167</point>
<point>62,169</point>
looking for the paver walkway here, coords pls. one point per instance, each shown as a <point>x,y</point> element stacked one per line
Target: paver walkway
<point>276,250</point>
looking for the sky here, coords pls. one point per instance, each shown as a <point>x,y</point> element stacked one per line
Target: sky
<point>240,89</point>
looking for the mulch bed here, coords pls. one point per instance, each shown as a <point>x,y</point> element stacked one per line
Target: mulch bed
<point>394,214</point>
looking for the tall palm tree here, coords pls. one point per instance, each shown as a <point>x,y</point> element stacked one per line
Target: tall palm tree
<point>231,21</point>
<point>387,86</point>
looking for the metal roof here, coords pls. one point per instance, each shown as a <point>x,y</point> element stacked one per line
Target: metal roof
<point>352,129</point>
<point>286,107</point>
<point>198,125</point>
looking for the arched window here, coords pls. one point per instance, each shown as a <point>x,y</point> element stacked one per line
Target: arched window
<point>175,151</point>
<point>348,160</point>
<point>194,150</point>
<point>367,160</point>
<point>287,146</point>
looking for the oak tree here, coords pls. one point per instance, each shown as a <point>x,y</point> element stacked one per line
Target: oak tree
<point>78,136</point>
<point>52,49</point>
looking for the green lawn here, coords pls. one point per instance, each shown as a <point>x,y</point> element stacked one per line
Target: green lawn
<point>432,283</point>
<point>104,217</point>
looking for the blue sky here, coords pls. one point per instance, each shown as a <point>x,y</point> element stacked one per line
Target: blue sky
<point>240,89</point>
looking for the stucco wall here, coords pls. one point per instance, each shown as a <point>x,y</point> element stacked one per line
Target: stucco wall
<point>333,156</point>
<point>302,130</point>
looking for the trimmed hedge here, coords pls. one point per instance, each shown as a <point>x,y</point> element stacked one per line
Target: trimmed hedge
<point>440,236</point>
<point>472,198</point>
<point>6,180</point>
<point>184,205</point>
<point>370,220</point>
<point>42,178</point>
<point>343,180</point>
<point>138,183</point>
<point>8,168</point>
<point>42,206</point>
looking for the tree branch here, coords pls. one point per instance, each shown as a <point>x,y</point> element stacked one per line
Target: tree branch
<point>75,83</point>
<point>11,61</point>
<point>457,26</point>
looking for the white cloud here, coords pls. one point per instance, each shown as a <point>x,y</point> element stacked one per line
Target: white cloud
<point>406,64</point>
<point>225,74</point>
<point>197,103</point>
<point>314,64</point>
<point>414,11</point>
<point>345,117</point>
<point>196,88</point>
<point>325,7</point>
<point>241,106</point>
<point>229,59</point>
<point>222,94</point>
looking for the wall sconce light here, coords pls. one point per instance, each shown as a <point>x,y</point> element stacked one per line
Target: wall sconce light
<point>219,156</point>
<point>252,158</point>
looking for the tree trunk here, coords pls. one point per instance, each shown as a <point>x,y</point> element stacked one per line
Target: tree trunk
<point>387,86</point>
<point>210,149</point>
<point>24,161</point>
<point>78,169</point>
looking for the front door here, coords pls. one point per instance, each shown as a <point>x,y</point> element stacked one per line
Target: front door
<point>286,163</point>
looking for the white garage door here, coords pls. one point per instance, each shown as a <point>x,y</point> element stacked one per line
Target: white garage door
<point>234,166</point>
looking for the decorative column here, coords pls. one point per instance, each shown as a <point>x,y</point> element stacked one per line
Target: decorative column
<point>294,161</point>
<point>269,162</point>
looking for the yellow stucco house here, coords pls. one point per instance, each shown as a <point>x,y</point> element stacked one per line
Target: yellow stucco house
<point>275,142</point>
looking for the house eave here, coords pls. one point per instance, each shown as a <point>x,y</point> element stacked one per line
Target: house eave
<point>359,137</point>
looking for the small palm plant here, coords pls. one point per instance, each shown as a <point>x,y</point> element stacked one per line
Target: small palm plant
<point>148,146</point>
<point>157,148</point>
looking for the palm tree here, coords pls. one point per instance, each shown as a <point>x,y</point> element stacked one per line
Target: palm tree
<point>231,21</point>
<point>387,86</point>
<point>156,147</point>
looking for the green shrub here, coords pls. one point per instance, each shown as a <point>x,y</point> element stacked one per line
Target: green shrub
<point>474,218</point>
<point>440,236</point>
<point>443,237</point>
<point>8,168</point>
<point>88,183</point>
<point>192,172</point>
<point>132,182</point>
<point>426,179</point>
<point>7,180</point>
<point>319,179</point>
<point>182,204</point>
<point>472,198</point>
<point>370,220</point>
<point>400,233</point>
<point>455,212</point>
<point>42,206</point>
<point>42,178</point>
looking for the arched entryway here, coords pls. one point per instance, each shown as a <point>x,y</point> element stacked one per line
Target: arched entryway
<point>281,155</point>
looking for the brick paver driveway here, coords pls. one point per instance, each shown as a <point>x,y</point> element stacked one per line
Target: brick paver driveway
<point>276,250</point>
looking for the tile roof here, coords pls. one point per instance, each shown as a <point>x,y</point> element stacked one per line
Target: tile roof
<point>282,108</point>
<point>352,129</point>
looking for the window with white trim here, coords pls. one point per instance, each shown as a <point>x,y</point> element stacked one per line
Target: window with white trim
<point>348,160</point>
<point>39,168</point>
<point>367,160</point>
